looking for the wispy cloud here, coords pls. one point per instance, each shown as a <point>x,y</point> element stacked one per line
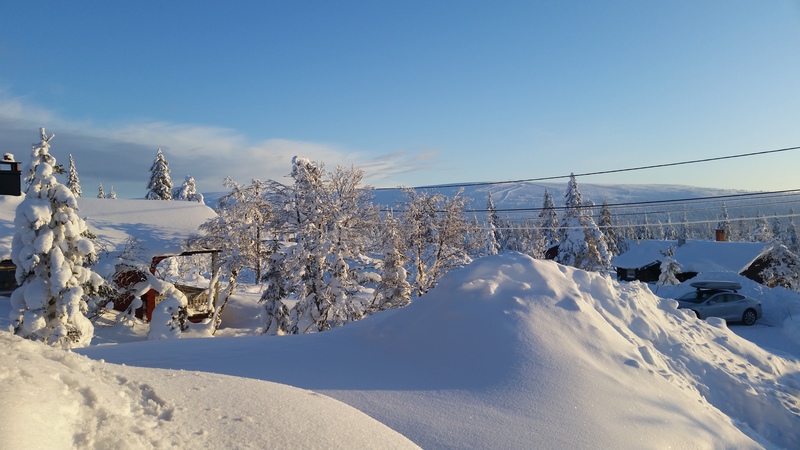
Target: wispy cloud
<point>120,155</point>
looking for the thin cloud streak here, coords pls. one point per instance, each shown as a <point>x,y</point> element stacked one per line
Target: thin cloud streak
<point>121,155</point>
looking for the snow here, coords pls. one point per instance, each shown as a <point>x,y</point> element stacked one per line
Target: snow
<point>693,256</point>
<point>162,226</point>
<point>509,352</point>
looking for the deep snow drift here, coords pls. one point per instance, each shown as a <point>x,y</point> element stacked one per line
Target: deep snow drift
<point>54,399</point>
<point>512,352</point>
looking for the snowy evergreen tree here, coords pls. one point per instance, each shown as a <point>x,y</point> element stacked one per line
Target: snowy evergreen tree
<point>51,249</point>
<point>549,220</point>
<point>683,231</point>
<point>187,191</point>
<point>658,231</point>
<point>73,182</point>
<point>724,223</point>
<point>670,233</point>
<point>100,192</point>
<point>277,314</point>
<point>777,228</point>
<point>644,230</point>
<point>112,195</point>
<point>495,239</point>
<point>394,290</point>
<point>762,231</point>
<point>614,243</point>
<point>160,185</point>
<point>582,244</point>
<point>669,269</point>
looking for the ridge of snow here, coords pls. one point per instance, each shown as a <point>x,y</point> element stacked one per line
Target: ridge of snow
<point>512,352</point>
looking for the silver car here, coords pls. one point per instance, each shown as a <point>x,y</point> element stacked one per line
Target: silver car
<point>720,299</point>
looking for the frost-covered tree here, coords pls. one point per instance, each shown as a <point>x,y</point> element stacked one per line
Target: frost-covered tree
<point>762,232</point>
<point>777,227</point>
<point>669,269</point>
<point>582,244</point>
<point>614,242</point>
<point>790,236</point>
<point>724,223</point>
<point>683,231</point>
<point>73,182</point>
<point>324,216</point>
<point>187,191</point>
<point>434,227</point>
<point>100,192</point>
<point>549,220</point>
<point>670,233</point>
<point>160,185</point>
<point>394,290</point>
<point>277,314</point>
<point>782,267</point>
<point>112,195</point>
<point>494,241</point>
<point>52,251</point>
<point>237,231</point>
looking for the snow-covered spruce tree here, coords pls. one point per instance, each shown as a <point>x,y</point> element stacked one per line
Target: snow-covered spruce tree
<point>670,233</point>
<point>724,223</point>
<point>394,291</point>
<point>683,230</point>
<point>187,191</point>
<point>549,220</point>
<point>112,195</point>
<point>582,244</point>
<point>614,243</point>
<point>51,250</point>
<point>669,269</point>
<point>73,182</point>
<point>160,185</point>
<point>434,227</point>
<point>277,314</point>
<point>495,240</point>
<point>100,192</point>
<point>762,231</point>
<point>777,228</point>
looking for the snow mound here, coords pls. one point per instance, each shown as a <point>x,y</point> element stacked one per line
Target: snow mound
<point>512,352</point>
<point>50,398</point>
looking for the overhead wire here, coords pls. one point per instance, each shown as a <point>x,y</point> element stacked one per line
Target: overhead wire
<point>600,172</point>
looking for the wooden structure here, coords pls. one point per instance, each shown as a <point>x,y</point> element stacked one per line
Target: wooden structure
<point>10,178</point>
<point>195,296</point>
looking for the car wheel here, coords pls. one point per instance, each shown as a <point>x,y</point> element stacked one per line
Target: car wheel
<point>749,317</point>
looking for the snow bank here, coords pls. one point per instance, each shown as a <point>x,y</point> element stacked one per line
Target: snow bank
<point>50,398</point>
<point>512,352</point>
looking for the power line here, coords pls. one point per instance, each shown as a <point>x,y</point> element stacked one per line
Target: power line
<point>601,172</point>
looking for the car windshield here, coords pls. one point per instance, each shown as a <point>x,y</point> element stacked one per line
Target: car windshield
<point>698,296</point>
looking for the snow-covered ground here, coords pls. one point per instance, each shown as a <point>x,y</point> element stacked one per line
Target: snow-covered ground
<point>509,352</point>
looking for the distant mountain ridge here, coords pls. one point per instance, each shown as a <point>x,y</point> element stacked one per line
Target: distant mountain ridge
<point>523,200</point>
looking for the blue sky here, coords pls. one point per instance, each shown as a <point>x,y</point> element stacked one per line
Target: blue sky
<point>413,92</point>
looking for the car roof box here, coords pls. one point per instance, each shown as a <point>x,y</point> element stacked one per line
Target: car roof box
<point>732,285</point>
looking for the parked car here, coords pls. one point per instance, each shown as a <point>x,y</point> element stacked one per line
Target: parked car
<point>721,299</point>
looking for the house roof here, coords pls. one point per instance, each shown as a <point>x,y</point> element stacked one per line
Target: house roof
<point>161,226</point>
<point>694,255</point>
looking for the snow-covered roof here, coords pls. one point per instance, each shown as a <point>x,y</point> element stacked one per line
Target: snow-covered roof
<point>161,226</point>
<point>694,256</point>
